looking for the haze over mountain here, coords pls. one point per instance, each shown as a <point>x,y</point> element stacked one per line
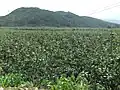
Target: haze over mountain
<point>113,21</point>
<point>38,17</point>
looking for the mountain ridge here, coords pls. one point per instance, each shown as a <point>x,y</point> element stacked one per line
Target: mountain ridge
<point>35,17</point>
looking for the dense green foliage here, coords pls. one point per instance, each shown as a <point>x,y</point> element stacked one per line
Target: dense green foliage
<point>70,83</point>
<point>73,83</point>
<point>38,17</point>
<point>46,55</point>
<point>13,80</point>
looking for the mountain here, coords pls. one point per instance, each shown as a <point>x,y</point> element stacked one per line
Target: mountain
<point>38,17</point>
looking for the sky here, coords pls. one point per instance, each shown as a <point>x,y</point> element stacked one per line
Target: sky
<point>101,9</point>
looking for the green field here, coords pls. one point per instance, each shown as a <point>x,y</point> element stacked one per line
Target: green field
<point>46,54</point>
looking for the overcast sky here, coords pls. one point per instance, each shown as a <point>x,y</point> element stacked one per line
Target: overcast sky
<point>79,7</point>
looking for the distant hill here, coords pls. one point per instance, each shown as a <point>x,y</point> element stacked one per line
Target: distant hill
<point>38,17</point>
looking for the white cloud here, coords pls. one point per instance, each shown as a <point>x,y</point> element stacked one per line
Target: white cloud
<point>80,7</point>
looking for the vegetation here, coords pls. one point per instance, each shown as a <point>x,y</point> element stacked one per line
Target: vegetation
<point>37,17</point>
<point>70,83</point>
<point>45,55</point>
<point>12,80</point>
